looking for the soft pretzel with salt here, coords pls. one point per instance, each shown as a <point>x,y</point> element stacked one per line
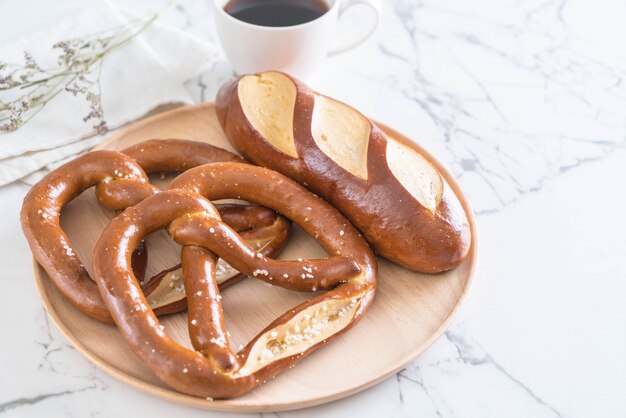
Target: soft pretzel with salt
<point>213,369</point>
<point>121,182</point>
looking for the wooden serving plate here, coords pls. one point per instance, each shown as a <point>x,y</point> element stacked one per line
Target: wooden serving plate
<point>410,311</point>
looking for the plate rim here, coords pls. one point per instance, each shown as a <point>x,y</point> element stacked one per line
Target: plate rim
<point>171,395</point>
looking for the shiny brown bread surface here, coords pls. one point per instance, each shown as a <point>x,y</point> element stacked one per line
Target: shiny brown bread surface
<point>392,194</point>
<point>265,231</point>
<point>121,182</point>
<point>213,369</point>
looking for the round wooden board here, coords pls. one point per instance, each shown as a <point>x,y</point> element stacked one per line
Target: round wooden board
<point>410,311</point>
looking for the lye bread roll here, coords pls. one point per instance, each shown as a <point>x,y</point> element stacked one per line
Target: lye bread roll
<point>390,192</point>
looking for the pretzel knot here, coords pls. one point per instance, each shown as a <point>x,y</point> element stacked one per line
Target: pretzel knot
<point>121,182</point>
<point>214,370</point>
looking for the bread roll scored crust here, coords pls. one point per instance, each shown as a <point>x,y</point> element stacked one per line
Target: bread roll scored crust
<point>397,225</point>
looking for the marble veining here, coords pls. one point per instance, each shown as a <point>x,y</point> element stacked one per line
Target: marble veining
<point>507,90</point>
<point>53,352</point>
<point>515,98</point>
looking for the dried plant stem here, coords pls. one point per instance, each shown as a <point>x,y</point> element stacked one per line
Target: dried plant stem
<point>28,88</point>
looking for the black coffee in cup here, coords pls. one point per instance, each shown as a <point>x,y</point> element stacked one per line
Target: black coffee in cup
<point>276,12</point>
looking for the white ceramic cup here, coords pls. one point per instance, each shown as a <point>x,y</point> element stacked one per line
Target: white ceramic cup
<point>298,50</point>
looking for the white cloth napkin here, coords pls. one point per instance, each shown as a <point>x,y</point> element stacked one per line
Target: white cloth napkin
<point>147,72</point>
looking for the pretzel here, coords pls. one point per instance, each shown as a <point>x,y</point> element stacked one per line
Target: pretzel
<point>393,194</point>
<point>265,232</point>
<point>121,182</point>
<point>260,227</point>
<point>213,370</point>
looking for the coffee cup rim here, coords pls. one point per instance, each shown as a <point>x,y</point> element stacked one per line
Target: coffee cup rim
<point>220,9</point>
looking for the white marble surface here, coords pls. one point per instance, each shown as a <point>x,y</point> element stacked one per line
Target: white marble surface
<point>526,103</point>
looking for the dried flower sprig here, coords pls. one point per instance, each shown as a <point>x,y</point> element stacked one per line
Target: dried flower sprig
<point>26,88</point>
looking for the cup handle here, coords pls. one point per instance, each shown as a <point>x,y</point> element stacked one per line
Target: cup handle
<point>351,43</point>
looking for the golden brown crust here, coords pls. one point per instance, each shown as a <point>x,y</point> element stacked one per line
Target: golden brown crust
<point>176,155</point>
<point>120,182</point>
<point>255,224</point>
<point>395,223</point>
<point>214,370</point>
<point>40,221</point>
